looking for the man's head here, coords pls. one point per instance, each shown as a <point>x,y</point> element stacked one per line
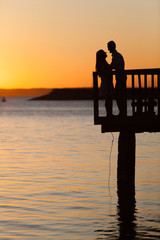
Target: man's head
<point>111,46</point>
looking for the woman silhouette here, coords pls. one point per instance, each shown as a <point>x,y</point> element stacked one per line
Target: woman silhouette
<point>105,73</point>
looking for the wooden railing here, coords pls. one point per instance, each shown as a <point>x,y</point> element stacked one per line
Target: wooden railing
<point>143,86</point>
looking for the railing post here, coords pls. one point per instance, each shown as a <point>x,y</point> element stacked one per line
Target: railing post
<point>145,92</point>
<point>133,95</point>
<point>96,105</point>
<point>139,96</point>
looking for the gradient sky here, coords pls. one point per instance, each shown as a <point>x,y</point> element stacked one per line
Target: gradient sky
<point>52,43</point>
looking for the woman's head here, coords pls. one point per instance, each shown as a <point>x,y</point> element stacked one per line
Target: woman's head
<point>101,55</point>
<point>100,59</point>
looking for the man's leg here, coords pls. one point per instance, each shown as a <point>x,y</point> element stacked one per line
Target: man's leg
<point>108,105</point>
<point>121,98</point>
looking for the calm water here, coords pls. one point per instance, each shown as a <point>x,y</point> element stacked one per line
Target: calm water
<point>57,180</point>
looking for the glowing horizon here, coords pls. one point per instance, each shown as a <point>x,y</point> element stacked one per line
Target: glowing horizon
<point>52,44</point>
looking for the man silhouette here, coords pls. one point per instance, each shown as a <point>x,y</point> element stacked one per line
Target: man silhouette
<point>120,89</point>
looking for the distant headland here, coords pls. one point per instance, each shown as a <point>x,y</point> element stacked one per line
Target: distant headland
<point>75,94</point>
<point>67,94</point>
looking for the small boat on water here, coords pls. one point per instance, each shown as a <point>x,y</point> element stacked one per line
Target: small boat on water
<point>3,99</point>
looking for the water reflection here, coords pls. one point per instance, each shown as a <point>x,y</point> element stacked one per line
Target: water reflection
<point>125,226</point>
<point>126,214</point>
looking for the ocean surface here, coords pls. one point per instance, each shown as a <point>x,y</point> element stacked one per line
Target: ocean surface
<point>58,175</point>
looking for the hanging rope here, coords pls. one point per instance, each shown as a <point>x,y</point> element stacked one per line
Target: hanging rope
<point>109,175</point>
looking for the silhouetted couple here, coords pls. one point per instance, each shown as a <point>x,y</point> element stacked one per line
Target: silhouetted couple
<point>104,70</point>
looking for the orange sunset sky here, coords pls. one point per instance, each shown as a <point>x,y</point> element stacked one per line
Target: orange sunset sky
<point>52,43</point>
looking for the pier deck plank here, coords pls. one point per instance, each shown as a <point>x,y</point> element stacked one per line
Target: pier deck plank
<point>137,123</point>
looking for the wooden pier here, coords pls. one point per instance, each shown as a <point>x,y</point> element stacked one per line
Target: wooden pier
<point>144,88</point>
<point>145,102</point>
